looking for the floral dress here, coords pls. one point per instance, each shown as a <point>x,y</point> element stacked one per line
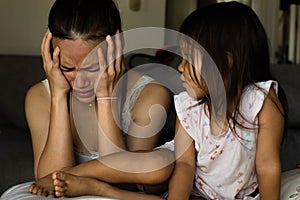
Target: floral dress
<point>225,164</point>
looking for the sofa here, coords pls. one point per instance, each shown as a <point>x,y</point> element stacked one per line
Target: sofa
<point>288,77</point>
<point>19,72</point>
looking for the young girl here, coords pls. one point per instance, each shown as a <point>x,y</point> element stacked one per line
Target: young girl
<point>238,158</point>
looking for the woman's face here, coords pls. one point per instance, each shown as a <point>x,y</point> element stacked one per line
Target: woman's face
<point>80,74</point>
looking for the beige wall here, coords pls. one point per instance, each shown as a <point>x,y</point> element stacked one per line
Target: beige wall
<point>268,12</point>
<point>177,11</point>
<point>150,13</point>
<point>23,23</point>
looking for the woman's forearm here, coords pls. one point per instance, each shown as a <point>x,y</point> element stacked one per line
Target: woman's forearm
<point>110,138</point>
<point>58,151</point>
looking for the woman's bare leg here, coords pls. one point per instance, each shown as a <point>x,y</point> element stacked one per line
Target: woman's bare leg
<point>42,187</point>
<point>93,171</point>
<point>67,185</point>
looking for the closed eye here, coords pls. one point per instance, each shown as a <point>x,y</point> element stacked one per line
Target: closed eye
<point>91,68</point>
<point>66,69</point>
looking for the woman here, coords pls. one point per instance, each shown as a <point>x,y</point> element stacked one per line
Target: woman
<point>82,72</point>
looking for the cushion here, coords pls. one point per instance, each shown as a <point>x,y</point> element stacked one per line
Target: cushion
<point>290,185</point>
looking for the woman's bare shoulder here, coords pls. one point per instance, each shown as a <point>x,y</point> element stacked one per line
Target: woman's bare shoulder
<point>37,93</point>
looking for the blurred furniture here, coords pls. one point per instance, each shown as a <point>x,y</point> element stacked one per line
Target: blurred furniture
<point>17,74</point>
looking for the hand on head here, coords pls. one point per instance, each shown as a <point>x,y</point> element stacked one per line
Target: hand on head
<point>58,83</point>
<point>111,65</point>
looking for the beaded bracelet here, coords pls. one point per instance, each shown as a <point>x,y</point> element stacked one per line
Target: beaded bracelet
<point>106,98</point>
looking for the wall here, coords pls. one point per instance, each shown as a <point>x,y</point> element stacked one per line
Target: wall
<point>268,12</point>
<point>148,13</point>
<point>23,23</point>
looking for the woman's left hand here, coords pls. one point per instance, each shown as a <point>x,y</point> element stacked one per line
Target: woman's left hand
<point>111,67</point>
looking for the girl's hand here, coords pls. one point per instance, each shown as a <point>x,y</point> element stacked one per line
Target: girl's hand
<point>58,83</point>
<point>111,68</point>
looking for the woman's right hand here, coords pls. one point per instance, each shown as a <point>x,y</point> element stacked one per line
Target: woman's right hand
<point>59,85</point>
<point>111,64</point>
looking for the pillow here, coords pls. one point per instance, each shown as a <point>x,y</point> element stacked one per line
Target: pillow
<point>290,185</point>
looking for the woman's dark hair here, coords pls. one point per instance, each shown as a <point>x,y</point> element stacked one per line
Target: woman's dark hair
<point>87,19</point>
<point>232,31</point>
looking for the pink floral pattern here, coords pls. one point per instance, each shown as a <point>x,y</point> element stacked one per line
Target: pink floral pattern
<point>225,166</point>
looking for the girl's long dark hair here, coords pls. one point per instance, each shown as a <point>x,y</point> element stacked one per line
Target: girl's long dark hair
<point>233,31</point>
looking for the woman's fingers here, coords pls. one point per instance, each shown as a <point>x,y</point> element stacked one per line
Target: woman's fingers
<point>101,60</point>
<point>45,50</point>
<point>102,65</point>
<point>119,64</point>
<point>56,58</point>
<point>43,40</point>
<point>115,62</point>
<point>56,79</point>
<point>111,64</point>
<point>110,56</point>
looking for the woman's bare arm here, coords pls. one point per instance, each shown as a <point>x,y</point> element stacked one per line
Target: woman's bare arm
<point>51,152</point>
<point>48,117</point>
<point>145,131</point>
